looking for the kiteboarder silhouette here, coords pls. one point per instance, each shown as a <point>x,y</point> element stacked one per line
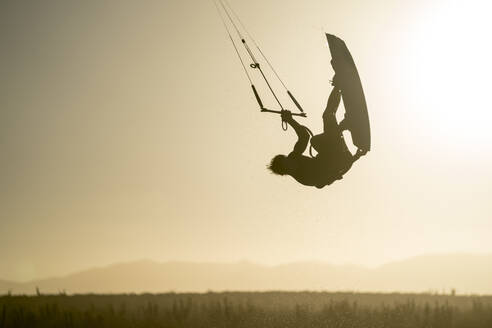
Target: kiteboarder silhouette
<point>333,158</point>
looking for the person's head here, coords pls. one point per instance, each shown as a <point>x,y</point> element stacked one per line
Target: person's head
<point>278,165</point>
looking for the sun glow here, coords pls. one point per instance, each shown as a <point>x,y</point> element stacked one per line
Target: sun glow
<point>449,55</point>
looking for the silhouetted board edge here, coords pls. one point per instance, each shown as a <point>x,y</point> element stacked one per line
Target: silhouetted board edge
<point>348,80</point>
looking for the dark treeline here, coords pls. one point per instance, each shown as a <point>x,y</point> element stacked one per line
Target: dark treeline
<point>248,309</point>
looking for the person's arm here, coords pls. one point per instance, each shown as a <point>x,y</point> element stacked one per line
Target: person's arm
<point>301,131</point>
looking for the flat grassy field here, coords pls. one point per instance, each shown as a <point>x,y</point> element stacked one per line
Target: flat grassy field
<point>248,309</point>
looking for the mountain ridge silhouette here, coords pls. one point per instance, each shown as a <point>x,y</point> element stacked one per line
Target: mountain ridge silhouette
<point>467,273</point>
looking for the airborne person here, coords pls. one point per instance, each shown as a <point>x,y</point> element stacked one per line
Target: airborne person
<point>333,159</point>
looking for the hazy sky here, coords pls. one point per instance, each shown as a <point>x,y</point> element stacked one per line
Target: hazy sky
<point>128,131</point>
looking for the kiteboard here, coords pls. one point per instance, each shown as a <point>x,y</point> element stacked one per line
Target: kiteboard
<point>348,80</point>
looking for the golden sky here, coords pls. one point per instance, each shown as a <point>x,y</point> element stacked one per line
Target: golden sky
<point>128,131</point>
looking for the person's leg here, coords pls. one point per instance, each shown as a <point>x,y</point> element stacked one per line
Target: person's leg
<point>329,119</point>
<point>327,141</point>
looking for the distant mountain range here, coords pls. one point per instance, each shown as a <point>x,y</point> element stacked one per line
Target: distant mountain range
<point>437,273</point>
